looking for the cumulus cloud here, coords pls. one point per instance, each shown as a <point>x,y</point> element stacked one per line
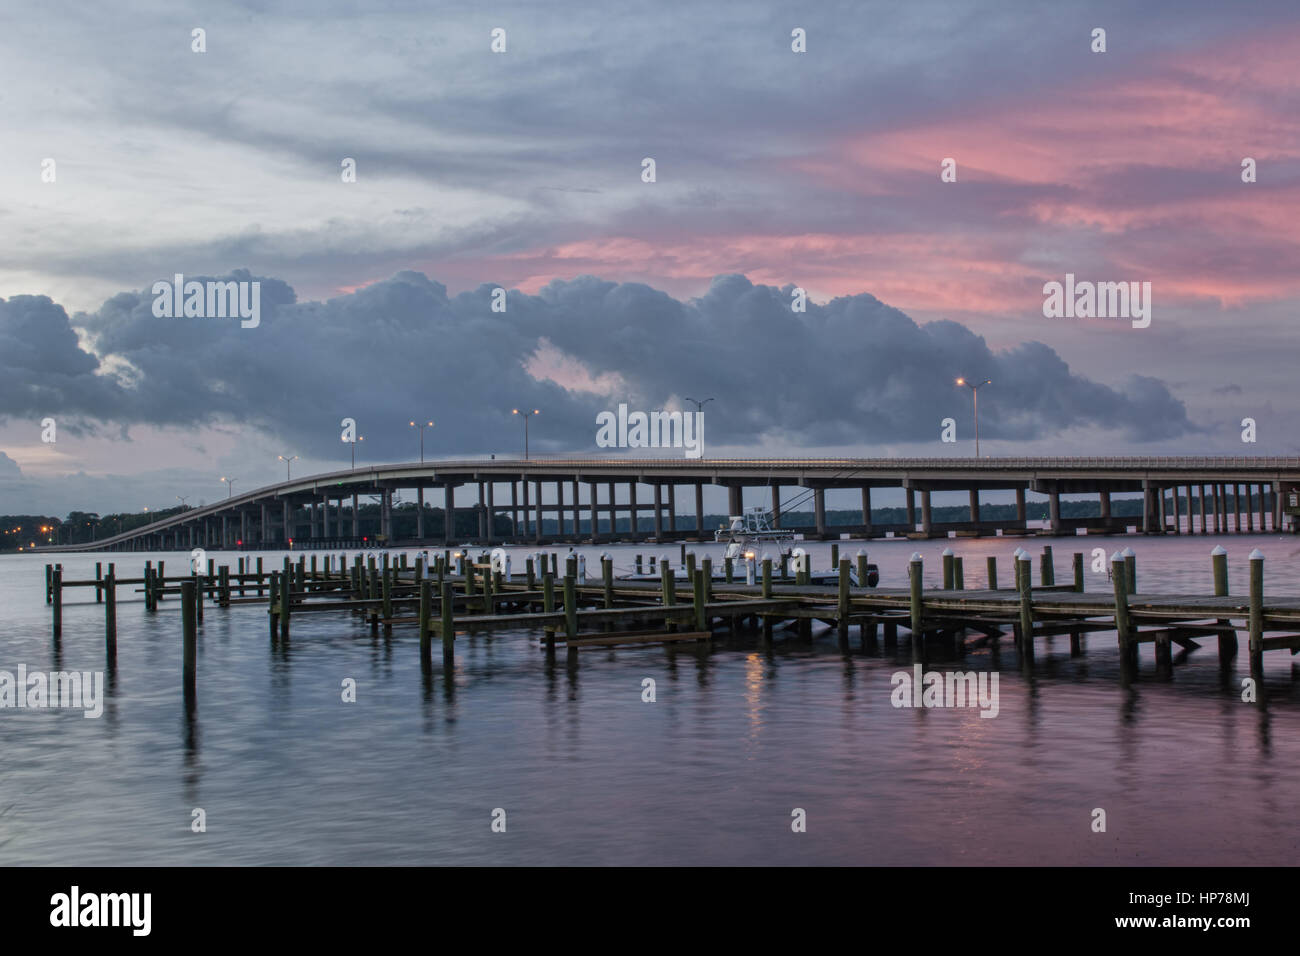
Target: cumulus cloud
<point>853,371</point>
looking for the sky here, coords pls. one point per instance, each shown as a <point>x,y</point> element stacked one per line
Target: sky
<point>523,170</point>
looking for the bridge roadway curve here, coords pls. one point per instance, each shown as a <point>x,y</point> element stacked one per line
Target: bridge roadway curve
<point>273,515</point>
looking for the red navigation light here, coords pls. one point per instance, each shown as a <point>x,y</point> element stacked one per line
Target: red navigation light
<point>239,542</point>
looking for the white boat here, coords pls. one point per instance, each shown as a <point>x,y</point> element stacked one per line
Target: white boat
<point>752,529</point>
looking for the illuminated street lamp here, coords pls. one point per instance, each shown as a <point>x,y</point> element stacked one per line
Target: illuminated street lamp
<point>230,482</point>
<point>975,391</point>
<point>422,427</point>
<point>287,462</point>
<point>353,443</point>
<point>699,405</point>
<point>527,415</point>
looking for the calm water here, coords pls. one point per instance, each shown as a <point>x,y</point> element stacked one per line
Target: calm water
<point>589,774</point>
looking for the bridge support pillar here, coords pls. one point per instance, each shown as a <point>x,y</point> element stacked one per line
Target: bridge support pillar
<point>866,509</point>
<point>1021,515</point>
<point>613,510</point>
<point>1277,506</point>
<point>1236,507</point>
<point>525,505</point>
<point>577,519</point>
<point>225,531</point>
<point>593,512</point>
<point>927,522</point>
<point>537,524</point>
<point>1054,511</point>
<point>911,510</point>
<point>975,506</point>
<point>286,510</point>
<point>419,513</point>
<point>819,511</point>
<point>672,509</point>
<point>659,517</point>
<point>633,510</point>
<point>491,513</point>
<point>699,511</point>
<point>735,500</point>
<point>448,514</point>
<point>514,510</point>
<point>776,506</point>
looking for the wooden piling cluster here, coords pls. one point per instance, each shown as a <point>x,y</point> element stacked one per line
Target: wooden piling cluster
<point>450,595</point>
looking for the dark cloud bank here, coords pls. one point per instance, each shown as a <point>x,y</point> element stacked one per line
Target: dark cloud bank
<point>852,372</point>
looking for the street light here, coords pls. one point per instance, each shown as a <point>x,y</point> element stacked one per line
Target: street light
<point>286,464</point>
<point>231,483</point>
<point>699,405</point>
<point>975,391</point>
<point>422,428</point>
<point>353,443</point>
<point>181,499</point>
<point>527,415</point>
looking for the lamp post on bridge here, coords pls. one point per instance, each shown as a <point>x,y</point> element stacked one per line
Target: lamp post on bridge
<point>527,415</point>
<point>287,463</point>
<point>975,391</point>
<point>230,486</point>
<point>422,427</point>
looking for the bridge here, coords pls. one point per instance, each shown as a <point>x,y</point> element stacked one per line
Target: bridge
<point>515,497</point>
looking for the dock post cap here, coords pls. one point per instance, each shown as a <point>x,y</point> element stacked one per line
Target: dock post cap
<point>1129,553</point>
<point>947,552</point>
<point>1219,549</point>
<point>1017,553</point>
<point>1025,556</point>
<point>916,557</point>
<point>861,553</point>
<point>1117,557</point>
<point>1257,555</point>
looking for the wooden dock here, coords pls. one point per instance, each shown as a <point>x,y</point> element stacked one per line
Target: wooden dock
<point>451,598</point>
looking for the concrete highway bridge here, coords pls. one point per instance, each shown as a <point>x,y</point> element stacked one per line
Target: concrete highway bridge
<point>322,511</point>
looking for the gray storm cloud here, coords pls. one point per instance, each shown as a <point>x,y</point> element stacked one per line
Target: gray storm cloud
<point>853,371</point>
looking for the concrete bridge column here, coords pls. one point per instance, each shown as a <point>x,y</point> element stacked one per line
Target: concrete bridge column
<point>577,519</point>
<point>1250,511</point>
<point>448,514</point>
<point>243,527</point>
<point>974,506</point>
<point>1104,498</point>
<point>286,520</point>
<point>325,516</point>
<point>672,509</point>
<point>819,510</point>
<point>480,509</point>
<point>1178,514</point>
<point>735,500</point>
<point>776,506</point>
<point>1277,506</point>
<point>1205,512</point>
<point>866,508</point>
<point>523,485</point>
<point>356,517</point>
<point>1148,506</point>
<point>1236,507</point>
<point>927,525</point>
<point>1054,511</point>
<point>613,510</point>
<point>313,516</point>
<point>225,531</point>
<point>491,512</point>
<point>1020,506</point>
<point>537,529</point>
<point>1214,489</point>
<point>1263,506</point>
<point>514,508</point>
<point>1161,509</point>
<point>699,510</point>
<point>192,532</point>
<point>419,514</point>
<point>632,509</point>
<point>911,510</point>
<point>659,522</point>
<point>559,508</point>
<point>593,511</point>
